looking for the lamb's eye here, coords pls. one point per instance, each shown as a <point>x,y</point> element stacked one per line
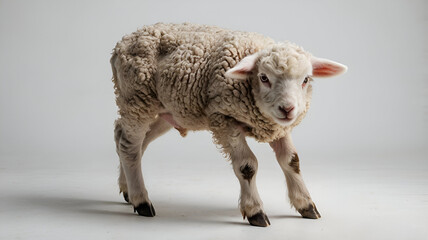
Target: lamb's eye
<point>305,81</point>
<point>264,78</point>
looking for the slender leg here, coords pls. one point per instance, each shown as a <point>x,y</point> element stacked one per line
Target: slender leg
<point>288,159</point>
<point>123,188</point>
<point>244,163</point>
<point>130,145</point>
<point>157,129</point>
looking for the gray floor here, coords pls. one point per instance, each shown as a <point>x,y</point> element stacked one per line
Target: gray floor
<point>370,196</point>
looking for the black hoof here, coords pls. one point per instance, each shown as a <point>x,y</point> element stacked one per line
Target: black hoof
<point>310,212</point>
<point>125,196</point>
<point>259,220</point>
<point>145,209</point>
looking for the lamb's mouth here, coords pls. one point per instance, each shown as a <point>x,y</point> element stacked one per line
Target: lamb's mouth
<point>284,120</point>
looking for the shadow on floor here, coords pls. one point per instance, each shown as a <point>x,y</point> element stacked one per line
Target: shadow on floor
<point>167,212</point>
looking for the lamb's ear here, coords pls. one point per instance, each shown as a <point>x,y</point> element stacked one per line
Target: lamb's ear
<point>326,68</point>
<point>243,68</point>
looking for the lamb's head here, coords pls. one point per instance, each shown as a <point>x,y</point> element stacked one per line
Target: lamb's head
<point>281,79</point>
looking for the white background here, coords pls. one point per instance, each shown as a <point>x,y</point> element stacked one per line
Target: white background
<point>363,144</point>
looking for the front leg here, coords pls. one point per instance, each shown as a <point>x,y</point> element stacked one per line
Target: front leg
<point>232,139</point>
<point>288,159</point>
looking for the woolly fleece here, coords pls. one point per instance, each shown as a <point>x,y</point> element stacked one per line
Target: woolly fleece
<point>180,69</point>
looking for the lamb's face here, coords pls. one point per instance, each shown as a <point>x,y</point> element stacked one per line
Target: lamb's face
<point>283,94</point>
<point>281,79</point>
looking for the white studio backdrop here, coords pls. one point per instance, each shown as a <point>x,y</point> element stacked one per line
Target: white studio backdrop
<point>56,94</point>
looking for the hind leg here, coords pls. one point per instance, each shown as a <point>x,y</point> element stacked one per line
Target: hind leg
<point>123,188</point>
<point>129,141</point>
<point>130,146</point>
<point>157,129</point>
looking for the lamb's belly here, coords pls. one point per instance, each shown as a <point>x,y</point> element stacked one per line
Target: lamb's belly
<point>184,124</point>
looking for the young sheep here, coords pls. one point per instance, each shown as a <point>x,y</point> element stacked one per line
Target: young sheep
<point>234,84</point>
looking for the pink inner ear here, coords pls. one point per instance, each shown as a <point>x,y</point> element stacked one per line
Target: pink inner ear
<point>243,68</point>
<point>242,71</point>
<point>326,68</point>
<point>246,65</point>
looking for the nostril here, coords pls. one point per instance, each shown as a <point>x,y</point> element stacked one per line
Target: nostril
<point>282,110</point>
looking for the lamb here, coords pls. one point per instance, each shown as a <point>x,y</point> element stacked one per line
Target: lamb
<point>232,83</point>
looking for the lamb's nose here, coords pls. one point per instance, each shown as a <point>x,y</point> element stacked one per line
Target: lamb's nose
<point>289,109</point>
<point>286,110</point>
